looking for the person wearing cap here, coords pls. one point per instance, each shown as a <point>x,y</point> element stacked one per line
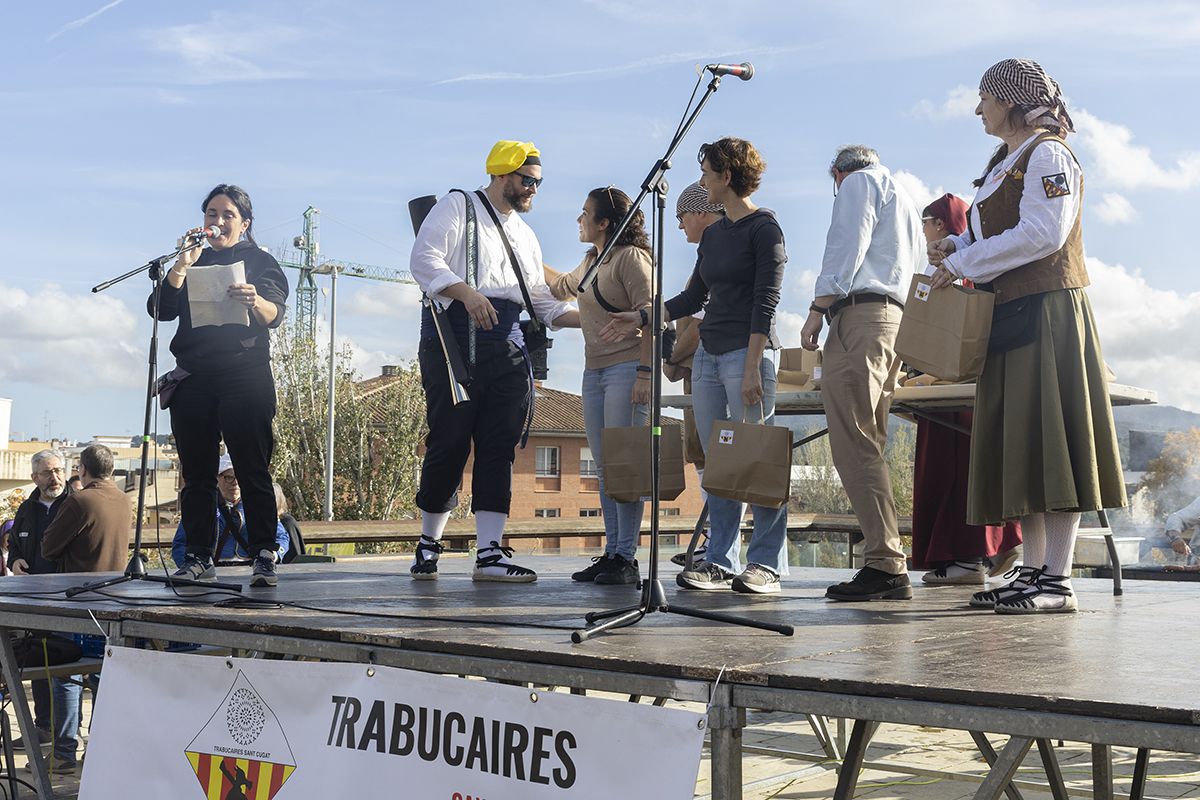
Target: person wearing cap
<point>952,551</point>
<point>1043,443</point>
<point>694,214</point>
<point>737,281</point>
<point>231,540</point>
<point>489,299</point>
<point>616,376</point>
<point>871,251</point>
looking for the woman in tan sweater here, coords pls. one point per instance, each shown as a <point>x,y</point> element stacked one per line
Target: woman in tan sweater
<point>616,377</point>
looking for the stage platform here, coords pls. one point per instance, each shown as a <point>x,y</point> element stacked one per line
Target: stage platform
<point>1114,674</point>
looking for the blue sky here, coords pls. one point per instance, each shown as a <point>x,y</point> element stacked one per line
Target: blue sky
<point>119,116</point>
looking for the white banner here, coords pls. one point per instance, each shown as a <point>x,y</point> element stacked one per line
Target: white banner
<point>191,726</point>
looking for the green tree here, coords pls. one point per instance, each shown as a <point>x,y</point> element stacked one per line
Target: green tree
<point>380,424</point>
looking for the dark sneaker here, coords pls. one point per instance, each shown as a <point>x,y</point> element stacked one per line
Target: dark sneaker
<point>872,584</point>
<point>196,568</point>
<point>57,765</point>
<point>704,576</point>
<point>680,559</point>
<point>492,564</point>
<point>622,571</point>
<point>262,574</point>
<point>600,565</point>
<point>424,566</point>
<point>44,738</point>
<point>756,579</point>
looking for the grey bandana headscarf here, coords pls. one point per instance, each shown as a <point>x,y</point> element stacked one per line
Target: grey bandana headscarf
<point>695,198</point>
<point>1024,82</point>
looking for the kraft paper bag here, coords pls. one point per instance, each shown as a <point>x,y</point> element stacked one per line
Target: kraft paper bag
<point>944,332</point>
<point>626,463</point>
<point>799,370</point>
<point>749,462</point>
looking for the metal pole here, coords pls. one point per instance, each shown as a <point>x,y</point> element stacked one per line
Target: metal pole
<point>327,509</point>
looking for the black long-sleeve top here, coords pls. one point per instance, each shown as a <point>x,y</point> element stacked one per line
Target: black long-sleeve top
<point>739,272</point>
<point>215,348</point>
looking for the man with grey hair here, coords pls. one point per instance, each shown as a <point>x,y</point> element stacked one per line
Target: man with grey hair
<point>873,247</point>
<point>91,531</point>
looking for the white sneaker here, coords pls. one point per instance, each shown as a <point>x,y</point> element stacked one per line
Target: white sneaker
<point>492,564</point>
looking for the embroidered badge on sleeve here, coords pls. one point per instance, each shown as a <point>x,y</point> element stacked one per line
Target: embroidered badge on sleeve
<point>1056,185</point>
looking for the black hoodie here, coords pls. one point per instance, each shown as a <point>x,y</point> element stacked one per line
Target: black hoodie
<point>25,538</point>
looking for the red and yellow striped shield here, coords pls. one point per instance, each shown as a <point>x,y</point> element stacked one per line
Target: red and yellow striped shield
<point>229,778</point>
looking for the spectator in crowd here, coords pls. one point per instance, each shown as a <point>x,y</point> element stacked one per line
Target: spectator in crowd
<point>1186,518</point>
<point>231,540</point>
<point>295,538</point>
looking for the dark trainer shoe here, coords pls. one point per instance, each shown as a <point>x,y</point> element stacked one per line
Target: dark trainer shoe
<point>756,579</point>
<point>262,574</point>
<point>705,576</point>
<point>622,571</point>
<point>600,565</point>
<point>872,584</point>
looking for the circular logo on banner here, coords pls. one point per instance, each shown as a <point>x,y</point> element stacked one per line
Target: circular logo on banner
<point>244,716</point>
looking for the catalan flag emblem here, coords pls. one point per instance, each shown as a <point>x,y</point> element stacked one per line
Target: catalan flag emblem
<point>242,753</point>
<point>1056,185</point>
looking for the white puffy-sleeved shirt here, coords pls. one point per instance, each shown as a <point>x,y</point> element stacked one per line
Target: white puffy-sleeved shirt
<point>875,242</point>
<point>1047,215</point>
<point>1183,519</point>
<point>439,257</point>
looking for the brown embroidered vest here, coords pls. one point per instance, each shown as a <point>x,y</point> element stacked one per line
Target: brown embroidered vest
<point>1001,210</point>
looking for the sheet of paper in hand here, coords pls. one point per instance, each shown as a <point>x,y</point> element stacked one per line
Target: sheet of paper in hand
<point>207,299</point>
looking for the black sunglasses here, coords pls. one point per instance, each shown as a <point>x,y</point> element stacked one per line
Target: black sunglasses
<point>528,181</point>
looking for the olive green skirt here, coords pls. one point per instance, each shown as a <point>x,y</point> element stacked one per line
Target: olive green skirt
<point>1043,438</point>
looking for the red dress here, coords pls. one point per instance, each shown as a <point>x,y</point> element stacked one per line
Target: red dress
<point>940,530</point>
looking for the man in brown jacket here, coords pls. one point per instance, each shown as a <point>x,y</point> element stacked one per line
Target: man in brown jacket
<point>90,533</point>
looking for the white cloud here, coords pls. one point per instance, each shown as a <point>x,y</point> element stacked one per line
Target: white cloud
<point>1115,209</point>
<point>1149,335</point>
<point>788,325</point>
<point>1117,161</point>
<point>399,301</point>
<point>917,189</point>
<point>959,102</point>
<point>233,50</point>
<point>79,23</point>
<point>61,340</point>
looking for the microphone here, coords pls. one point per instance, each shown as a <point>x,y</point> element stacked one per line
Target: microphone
<point>745,70</point>
<point>211,232</point>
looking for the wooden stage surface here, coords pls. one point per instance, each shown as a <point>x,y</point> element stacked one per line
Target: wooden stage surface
<point>1113,674</point>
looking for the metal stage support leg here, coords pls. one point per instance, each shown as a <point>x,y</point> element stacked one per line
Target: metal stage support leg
<point>820,729</point>
<point>10,767</point>
<point>1002,772</point>
<point>12,677</point>
<point>725,725</point>
<point>856,752</point>
<point>1054,776</point>
<point>1141,769</point>
<point>1102,772</point>
<point>989,755</point>
<point>1112,552</point>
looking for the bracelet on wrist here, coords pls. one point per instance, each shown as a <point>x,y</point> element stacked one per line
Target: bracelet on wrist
<point>645,368</point>
<point>645,315</point>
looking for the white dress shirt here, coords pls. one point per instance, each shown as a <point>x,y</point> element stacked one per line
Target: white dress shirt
<point>1045,222</point>
<point>1183,519</point>
<point>439,257</point>
<point>875,242</point>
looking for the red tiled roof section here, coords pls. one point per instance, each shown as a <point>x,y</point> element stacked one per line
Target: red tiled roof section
<point>558,412</point>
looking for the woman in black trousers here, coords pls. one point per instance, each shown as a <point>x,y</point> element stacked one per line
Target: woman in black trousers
<point>227,390</point>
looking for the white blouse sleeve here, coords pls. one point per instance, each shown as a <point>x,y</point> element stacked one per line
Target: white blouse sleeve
<point>432,260</point>
<point>1049,205</point>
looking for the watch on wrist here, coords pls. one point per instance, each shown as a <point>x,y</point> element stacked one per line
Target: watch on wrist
<point>645,316</point>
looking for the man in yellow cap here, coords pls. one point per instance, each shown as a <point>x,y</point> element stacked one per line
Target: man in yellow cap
<point>474,279</point>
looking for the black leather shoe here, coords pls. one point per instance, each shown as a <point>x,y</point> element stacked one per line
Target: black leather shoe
<point>872,584</point>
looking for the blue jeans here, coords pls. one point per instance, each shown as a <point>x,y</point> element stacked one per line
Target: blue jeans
<point>607,404</point>
<point>717,395</point>
<point>63,720</point>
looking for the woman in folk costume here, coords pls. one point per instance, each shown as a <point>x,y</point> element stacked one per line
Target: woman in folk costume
<point>1043,444</point>
<point>953,551</point>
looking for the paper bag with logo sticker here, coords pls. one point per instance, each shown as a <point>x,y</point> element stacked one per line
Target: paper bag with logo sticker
<point>944,332</point>
<point>626,456</point>
<point>749,462</point>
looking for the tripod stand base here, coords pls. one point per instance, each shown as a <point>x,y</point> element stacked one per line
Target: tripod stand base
<point>167,581</point>
<point>655,599</point>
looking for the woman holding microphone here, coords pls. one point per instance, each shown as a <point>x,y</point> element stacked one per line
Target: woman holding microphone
<point>225,389</point>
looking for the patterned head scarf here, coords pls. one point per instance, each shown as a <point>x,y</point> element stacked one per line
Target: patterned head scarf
<point>1024,82</point>
<point>509,156</point>
<point>695,198</point>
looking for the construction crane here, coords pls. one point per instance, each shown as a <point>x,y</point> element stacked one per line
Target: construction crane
<point>306,259</point>
<point>308,245</point>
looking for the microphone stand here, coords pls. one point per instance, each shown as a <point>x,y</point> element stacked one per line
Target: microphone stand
<point>654,598</point>
<point>136,569</point>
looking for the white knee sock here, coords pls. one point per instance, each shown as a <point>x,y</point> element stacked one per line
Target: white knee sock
<point>1033,536</point>
<point>1061,530</point>
<point>434,525</point>
<point>489,527</point>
